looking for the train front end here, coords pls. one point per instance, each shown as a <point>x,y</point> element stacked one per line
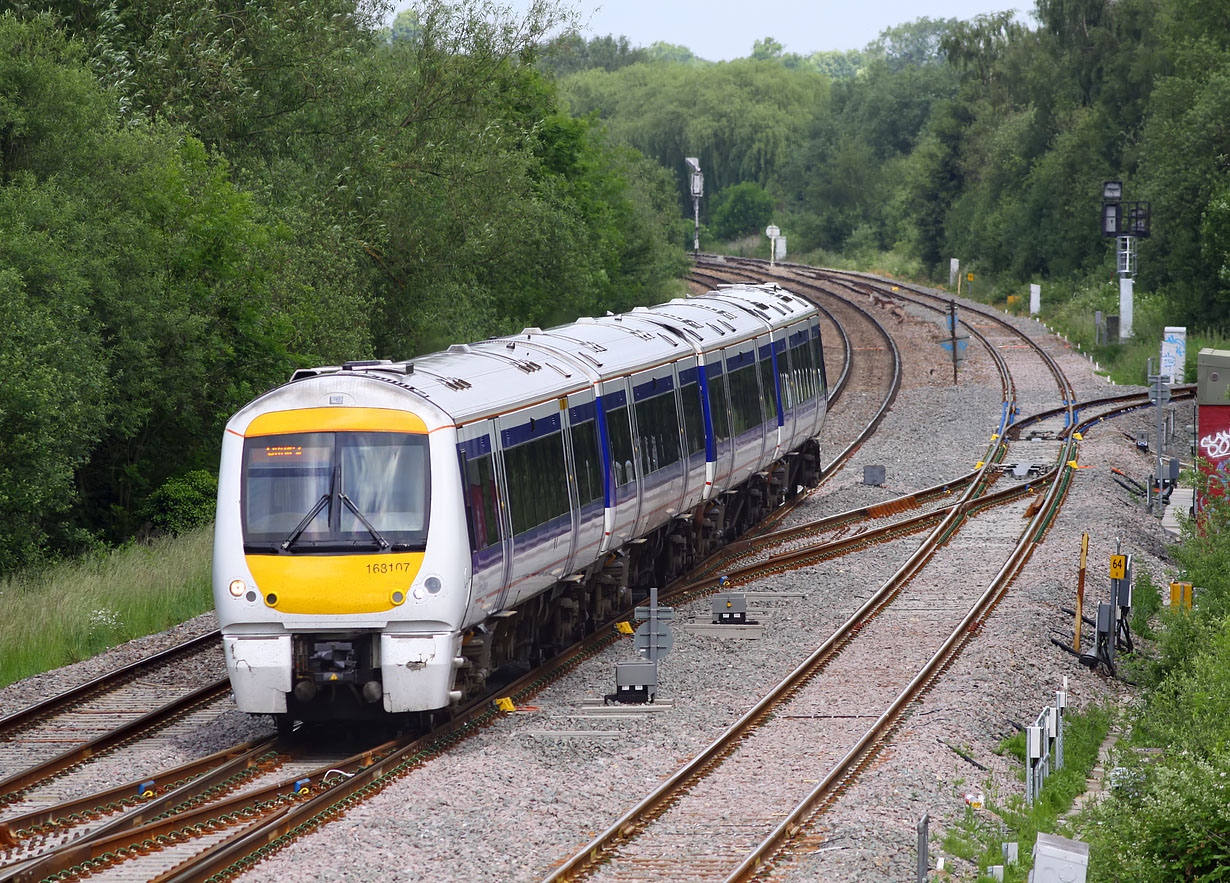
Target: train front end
<point>337,577</point>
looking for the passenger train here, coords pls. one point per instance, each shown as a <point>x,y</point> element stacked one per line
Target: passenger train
<point>390,534</point>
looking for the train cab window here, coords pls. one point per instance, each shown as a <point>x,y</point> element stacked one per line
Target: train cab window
<point>588,461</point>
<point>657,420</point>
<point>537,482</point>
<point>745,399</point>
<point>335,492</point>
<point>481,508</point>
<point>693,421</point>
<point>619,428</point>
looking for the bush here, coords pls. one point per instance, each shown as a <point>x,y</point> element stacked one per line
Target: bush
<point>743,208</point>
<point>184,502</point>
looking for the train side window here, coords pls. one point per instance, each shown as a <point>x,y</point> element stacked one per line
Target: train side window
<point>745,399</point>
<point>718,410</point>
<point>693,421</point>
<point>537,478</point>
<point>805,374</point>
<point>817,358</point>
<point>768,389</point>
<point>620,430</point>
<point>588,461</point>
<point>658,423</point>
<point>481,508</point>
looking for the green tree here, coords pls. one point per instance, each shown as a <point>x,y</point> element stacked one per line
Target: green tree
<point>740,209</point>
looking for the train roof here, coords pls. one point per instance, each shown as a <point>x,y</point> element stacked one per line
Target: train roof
<point>467,382</point>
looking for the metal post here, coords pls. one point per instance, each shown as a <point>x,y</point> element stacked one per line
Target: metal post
<point>1080,591</point>
<point>923,857</point>
<point>1161,507</point>
<point>952,330</point>
<point>696,228</point>
<point>1061,703</point>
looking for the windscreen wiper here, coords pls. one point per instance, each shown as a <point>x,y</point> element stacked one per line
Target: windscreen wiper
<point>307,519</point>
<point>381,541</point>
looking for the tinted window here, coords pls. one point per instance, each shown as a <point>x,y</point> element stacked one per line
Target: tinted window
<point>537,483</point>
<point>718,411</point>
<point>588,461</point>
<point>657,424</point>
<point>481,507</point>
<point>693,421</point>
<point>357,487</point>
<point>768,389</point>
<point>745,399</point>
<point>620,430</point>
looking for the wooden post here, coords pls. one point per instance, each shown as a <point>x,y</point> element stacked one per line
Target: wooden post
<point>1080,590</point>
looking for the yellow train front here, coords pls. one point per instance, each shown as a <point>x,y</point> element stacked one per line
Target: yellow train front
<point>392,537</point>
<point>332,601</point>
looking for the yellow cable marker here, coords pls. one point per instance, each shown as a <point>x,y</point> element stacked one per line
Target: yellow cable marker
<point>995,436</point>
<point>505,704</point>
<point>978,465</point>
<point>1072,463</point>
<point>1077,436</point>
<point>624,628</point>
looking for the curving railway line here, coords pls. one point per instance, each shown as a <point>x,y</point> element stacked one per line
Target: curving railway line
<point>746,800</point>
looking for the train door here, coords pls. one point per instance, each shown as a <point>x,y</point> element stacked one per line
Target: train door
<point>748,418</point>
<point>659,445</point>
<point>717,422</point>
<point>587,476</point>
<point>485,516</point>
<point>771,400</point>
<point>695,453</point>
<point>622,478</point>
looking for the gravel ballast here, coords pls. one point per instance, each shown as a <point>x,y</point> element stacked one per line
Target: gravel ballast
<point>526,792</point>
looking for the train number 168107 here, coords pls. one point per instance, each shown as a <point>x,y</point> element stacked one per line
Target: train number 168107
<point>388,567</point>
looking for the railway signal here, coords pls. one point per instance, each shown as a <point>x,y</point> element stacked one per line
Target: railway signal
<point>697,185</point>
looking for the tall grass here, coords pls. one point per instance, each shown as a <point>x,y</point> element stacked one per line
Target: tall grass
<point>73,610</point>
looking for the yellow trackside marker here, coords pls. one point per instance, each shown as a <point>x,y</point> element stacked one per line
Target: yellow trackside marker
<point>624,628</point>
<point>978,465</point>
<point>505,704</point>
<point>1072,463</point>
<point>1118,566</point>
<point>333,677</point>
<point>1077,436</point>
<point>995,436</point>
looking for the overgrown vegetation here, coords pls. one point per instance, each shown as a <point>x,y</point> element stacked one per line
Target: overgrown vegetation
<point>71,611</point>
<point>979,837</point>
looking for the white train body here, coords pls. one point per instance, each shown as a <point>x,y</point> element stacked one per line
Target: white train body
<point>389,533</point>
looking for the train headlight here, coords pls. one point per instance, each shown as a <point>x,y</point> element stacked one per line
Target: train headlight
<point>238,587</point>
<point>433,584</point>
<point>397,597</point>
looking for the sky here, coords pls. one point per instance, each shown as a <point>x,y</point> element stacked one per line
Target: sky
<point>719,30</point>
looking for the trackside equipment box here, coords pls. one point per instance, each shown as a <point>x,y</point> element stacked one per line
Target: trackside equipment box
<point>1059,860</point>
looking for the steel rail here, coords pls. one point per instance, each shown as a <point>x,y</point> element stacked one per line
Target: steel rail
<point>858,756</point>
<point>110,680</point>
<point>12,787</point>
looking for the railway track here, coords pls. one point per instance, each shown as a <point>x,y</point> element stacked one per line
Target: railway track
<point>733,806</point>
<point>234,847</point>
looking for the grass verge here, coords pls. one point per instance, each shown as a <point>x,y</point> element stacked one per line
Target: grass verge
<point>73,610</point>
<point>978,838</point>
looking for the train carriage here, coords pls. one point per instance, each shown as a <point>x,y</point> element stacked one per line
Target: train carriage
<point>389,535</point>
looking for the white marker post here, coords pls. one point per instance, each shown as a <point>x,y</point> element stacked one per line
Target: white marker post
<point>772,231</point>
<point>1035,299</point>
<point>1125,307</point>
